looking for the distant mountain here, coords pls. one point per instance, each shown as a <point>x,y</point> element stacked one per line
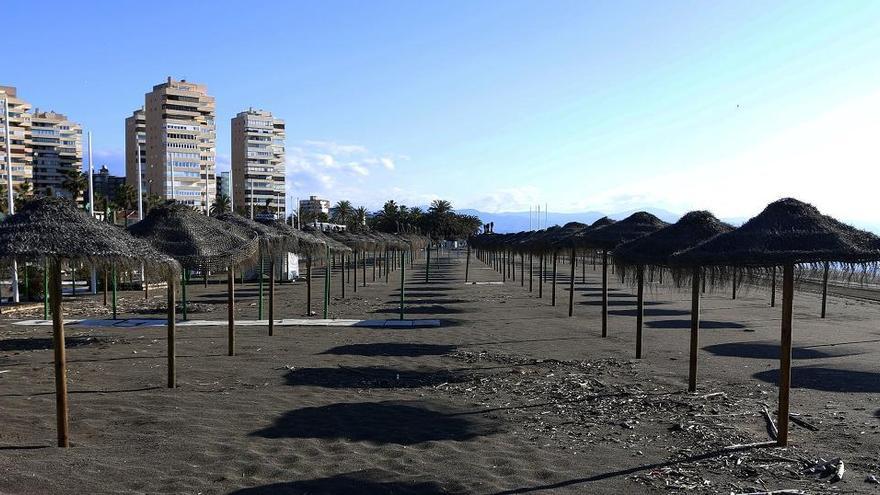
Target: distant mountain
<point>519,220</point>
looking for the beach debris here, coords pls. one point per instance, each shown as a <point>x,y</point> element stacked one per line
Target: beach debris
<point>774,432</point>
<point>872,479</point>
<point>833,469</point>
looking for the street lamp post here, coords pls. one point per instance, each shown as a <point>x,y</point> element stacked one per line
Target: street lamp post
<point>9,198</point>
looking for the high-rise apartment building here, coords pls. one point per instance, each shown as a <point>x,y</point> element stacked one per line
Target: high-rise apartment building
<point>258,163</point>
<point>224,185</point>
<point>19,147</point>
<point>136,135</point>
<point>314,206</point>
<point>57,145</point>
<point>180,138</point>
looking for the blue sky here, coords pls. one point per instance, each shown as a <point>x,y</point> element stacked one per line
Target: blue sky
<point>498,105</point>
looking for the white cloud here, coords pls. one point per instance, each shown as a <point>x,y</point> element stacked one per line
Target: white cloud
<point>336,170</point>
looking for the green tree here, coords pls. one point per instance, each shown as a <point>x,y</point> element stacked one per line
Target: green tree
<point>126,200</point>
<point>23,192</point>
<point>75,182</point>
<point>342,212</point>
<point>222,204</point>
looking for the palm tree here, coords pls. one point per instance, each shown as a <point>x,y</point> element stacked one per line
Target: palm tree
<point>360,214</point>
<point>23,192</point>
<point>126,197</point>
<point>75,182</point>
<point>342,212</point>
<point>221,205</point>
<point>440,207</point>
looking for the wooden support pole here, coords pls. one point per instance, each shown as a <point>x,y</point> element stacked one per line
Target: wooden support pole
<point>773,288</point>
<point>531,272</point>
<point>271,295</point>
<point>734,283</point>
<point>342,274</point>
<point>402,280</point>
<point>553,279</point>
<point>428,264</point>
<point>640,309</point>
<point>309,286</point>
<point>327,284</point>
<point>355,280</point>
<point>363,269</point>
<point>785,354</point>
<point>824,289</point>
<point>467,263</point>
<point>571,286</point>
<point>61,414</point>
<point>541,276</point>
<point>230,310</point>
<point>172,327</point>
<point>604,292</point>
<point>374,265</point>
<point>695,327</point>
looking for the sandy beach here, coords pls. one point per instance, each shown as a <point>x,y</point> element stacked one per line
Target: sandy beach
<point>508,395</point>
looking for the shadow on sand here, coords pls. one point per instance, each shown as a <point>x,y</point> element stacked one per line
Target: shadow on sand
<point>704,324</point>
<point>402,423</point>
<point>391,349</point>
<point>422,310</point>
<point>766,350</point>
<point>41,344</point>
<point>364,483</point>
<point>651,312</point>
<point>827,379</point>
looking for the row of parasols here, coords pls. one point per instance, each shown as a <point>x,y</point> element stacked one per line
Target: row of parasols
<point>169,243</point>
<point>787,234</point>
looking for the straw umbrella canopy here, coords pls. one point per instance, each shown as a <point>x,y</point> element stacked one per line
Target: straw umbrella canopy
<point>198,241</point>
<point>571,238</point>
<point>272,244</point>
<point>654,250</point>
<point>788,232</point>
<point>609,237</point>
<point>50,231</point>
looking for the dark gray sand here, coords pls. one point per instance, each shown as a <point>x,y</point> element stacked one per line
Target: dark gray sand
<point>508,396</point>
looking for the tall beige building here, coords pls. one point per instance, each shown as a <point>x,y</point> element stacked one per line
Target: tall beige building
<point>19,146</point>
<point>57,145</point>
<point>135,134</point>
<point>180,138</point>
<point>258,163</point>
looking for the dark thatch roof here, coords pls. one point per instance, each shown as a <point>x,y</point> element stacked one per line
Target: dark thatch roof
<point>193,239</point>
<point>787,231</point>
<point>656,248</point>
<point>304,242</point>
<point>54,228</point>
<point>572,238</point>
<point>334,245</point>
<point>270,239</point>
<point>612,235</point>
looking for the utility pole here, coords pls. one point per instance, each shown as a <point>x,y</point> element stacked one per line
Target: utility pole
<point>10,200</point>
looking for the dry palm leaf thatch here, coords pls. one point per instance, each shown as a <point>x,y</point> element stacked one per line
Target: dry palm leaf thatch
<point>306,243</point>
<point>334,245</point>
<point>655,249</point>
<point>358,242</point>
<point>569,238</point>
<point>195,240</point>
<point>788,231</point>
<point>612,235</point>
<point>271,240</point>
<point>54,229</point>
<point>413,240</point>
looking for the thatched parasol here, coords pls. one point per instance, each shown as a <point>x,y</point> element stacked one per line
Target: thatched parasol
<point>654,250</point>
<point>788,232</point>
<point>572,238</point>
<point>272,244</point>
<point>198,241</point>
<point>306,245</point>
<point>609,237</point>
<point>50,231</point>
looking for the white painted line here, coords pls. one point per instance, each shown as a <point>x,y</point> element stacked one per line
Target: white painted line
<point>286,322</point>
